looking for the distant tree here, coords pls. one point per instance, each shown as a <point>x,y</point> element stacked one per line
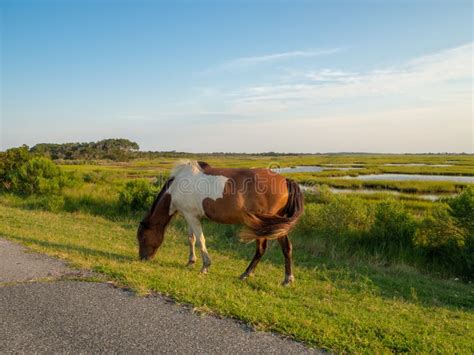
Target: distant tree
<point>118,149</point>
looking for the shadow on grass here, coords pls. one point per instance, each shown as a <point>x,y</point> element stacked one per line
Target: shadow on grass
<point>110,210</point>
<point>88,204</point>
<point>74,248</point>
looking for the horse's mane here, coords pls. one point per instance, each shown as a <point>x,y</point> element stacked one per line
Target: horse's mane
<point>157,199</point>
<point>184,164</point>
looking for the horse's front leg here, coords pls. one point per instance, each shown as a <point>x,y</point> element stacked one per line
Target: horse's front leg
<point>192,253</point>
<point>195,225</point>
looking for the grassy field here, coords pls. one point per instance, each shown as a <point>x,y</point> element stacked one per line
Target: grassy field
<point>331,306</point>
<point>345,299</point>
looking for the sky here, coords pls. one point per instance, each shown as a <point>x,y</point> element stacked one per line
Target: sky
<point>239,76</point>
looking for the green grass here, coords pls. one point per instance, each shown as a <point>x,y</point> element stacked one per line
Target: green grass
<point>413,187</point>
<point>333,305</point>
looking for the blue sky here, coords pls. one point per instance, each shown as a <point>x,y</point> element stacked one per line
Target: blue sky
<point>246,76</point>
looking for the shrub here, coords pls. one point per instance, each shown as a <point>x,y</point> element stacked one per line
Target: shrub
<point>446,243</point>
<point>462,208</point>
<point>10,163</point>
<point>38,176</point>
<point>22,173</point>
<point>440,230</point>
<point>137,195</point>
<point>334,228</point>
<point>393,228</point>
<point>344,217</point>
<point>310,221</point>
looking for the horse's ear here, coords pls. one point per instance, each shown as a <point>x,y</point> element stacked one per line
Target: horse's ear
<point>203,165</point>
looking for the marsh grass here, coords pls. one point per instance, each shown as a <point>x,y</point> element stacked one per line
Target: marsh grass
<point>411,187</point>
<point>371,163</point>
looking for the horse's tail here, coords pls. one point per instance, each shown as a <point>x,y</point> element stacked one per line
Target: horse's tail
<point>274,227</point>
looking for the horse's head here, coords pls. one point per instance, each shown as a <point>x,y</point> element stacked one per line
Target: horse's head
<point>149,238</point>
<point>151,230</point>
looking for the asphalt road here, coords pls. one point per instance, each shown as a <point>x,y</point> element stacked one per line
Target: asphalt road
<point>16,264</point>
<point>40,312</point>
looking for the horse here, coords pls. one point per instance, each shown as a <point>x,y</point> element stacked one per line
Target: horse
<point>266,203</point>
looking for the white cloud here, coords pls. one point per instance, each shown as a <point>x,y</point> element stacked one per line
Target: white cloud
<point>422,105</point>
<point>329,75</point>
<point>245,62</point>
<point>419,76</point>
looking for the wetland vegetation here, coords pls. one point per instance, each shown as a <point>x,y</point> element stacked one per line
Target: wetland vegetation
<point>375,272</point>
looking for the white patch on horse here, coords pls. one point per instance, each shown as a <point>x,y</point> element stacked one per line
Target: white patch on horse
<point>191,186</point>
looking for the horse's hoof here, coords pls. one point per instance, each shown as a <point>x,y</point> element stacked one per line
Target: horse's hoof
<point>204,270</point>
<point>289,279</point>
<point>191,263</point>
<point>244,276</point>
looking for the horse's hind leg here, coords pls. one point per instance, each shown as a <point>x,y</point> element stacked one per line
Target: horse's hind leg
<point>192,253</point>
<point>261,247</point>
<point>287,252</point>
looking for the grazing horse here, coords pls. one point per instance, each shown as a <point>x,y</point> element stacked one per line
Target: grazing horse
<point>266,203</point>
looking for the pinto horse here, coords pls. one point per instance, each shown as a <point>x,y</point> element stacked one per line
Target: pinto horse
<point>266,203</point>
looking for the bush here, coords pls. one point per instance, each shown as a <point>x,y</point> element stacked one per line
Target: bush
<point>10,163</point>
<point>344,217</point>
<point>38,176</point>
<point>440,230</point>
<point>446,243</point>
<point>20,172</point>
<point>310,221</point>
<point>462,208</point>
<point>333,228</point>
<point>393,228</point>
<point>137,195</point>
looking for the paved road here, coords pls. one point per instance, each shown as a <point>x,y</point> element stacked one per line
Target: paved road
<point>16,264</point>
<point>72,316</point>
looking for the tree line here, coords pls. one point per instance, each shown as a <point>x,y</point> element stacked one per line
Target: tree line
<point>117,149</point>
